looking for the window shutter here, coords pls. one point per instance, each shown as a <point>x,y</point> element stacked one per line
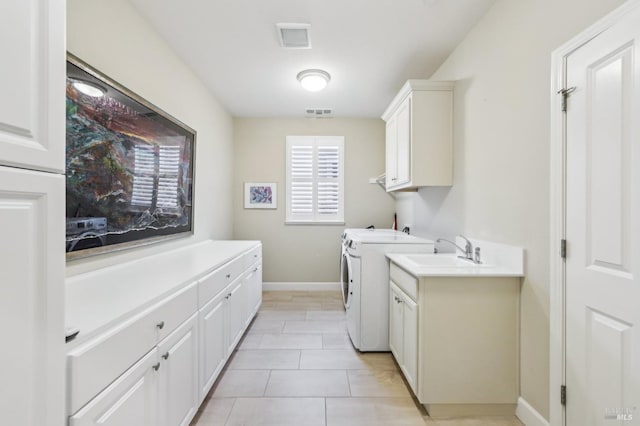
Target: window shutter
<point>328,175</point>
<point>169,168</point>
<point>144,169</point>
<point>301,199</point>
<point>148,159</point>
<point>315,179</point>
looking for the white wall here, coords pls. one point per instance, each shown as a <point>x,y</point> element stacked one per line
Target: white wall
<point>112,37</point>
<point>307,253</point>
<point>501,153</point>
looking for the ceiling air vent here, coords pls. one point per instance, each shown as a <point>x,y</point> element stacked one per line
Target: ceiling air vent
<point>294,36</point>
<point>319,112</point>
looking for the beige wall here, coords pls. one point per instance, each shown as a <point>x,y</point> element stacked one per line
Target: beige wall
<point>308,253</point>
<point>112,37</point>
<point>501,153</point>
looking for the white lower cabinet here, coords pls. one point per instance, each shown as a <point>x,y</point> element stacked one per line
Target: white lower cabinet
<point>156,367</point>
<point>237,313</point>
<point>131,400</point>
<point>456,341</point>
<point>178,371</point>
<point>159,390</point>
<point>254,290</point>
<point>403,334</point>
<point>224,319</point>
<point>213,347</point>
<point>222,323</point>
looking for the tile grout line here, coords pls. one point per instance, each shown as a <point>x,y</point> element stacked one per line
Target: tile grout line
<point>266,385</point>
<point>226,419</point>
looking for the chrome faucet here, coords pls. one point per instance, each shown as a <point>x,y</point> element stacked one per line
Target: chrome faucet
<point>467,250</point>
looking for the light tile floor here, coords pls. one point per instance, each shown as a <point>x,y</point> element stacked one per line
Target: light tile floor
<point>296,367</point>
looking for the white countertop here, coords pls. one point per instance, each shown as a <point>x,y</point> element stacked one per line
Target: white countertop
<point>499,260</point>
<point>402,260</point>
<point>100,298</point>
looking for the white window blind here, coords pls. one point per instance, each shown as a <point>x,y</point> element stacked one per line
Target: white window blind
<point>315,179</point>
<point>150,162</point>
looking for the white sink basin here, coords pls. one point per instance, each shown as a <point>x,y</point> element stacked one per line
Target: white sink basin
<point>443,261</point>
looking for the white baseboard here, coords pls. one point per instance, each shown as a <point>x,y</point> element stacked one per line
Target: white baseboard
<point>528,415</point>
<point>298,286</point>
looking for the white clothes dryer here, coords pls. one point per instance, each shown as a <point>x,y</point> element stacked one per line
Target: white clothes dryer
<point>365,282</point>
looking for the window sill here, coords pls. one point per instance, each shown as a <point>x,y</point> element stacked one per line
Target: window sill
<point>311,222</point>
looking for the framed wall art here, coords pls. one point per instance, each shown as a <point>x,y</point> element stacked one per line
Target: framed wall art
<point>260,195</point>
<point>129,167</point>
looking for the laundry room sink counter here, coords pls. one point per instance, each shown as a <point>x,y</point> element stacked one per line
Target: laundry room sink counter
<point>453,328</point>
<point>498,260</point>
<point>450,265</point>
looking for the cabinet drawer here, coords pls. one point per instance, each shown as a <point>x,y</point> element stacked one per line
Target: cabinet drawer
<point>253,256</point>
<point>216,281</point>
<point>407,282</point>
<point>176,310</point>
<point>92,366</point>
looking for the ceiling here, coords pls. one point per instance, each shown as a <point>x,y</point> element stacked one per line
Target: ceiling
<point>370,48</point>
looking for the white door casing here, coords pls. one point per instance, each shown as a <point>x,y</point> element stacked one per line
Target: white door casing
<point>596,294</point>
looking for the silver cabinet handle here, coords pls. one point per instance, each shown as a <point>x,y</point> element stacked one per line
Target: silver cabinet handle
<point>156,366</point>
<point>165,356</point>
<point>160,325</point>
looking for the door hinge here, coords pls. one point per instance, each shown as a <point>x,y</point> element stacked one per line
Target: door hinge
<point>565,94</point>
<point>563,249</point>
<point>563,395</point>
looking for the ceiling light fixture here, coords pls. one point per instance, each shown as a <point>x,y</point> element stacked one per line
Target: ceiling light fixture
<point>88,89</point>
<point>314,80</point>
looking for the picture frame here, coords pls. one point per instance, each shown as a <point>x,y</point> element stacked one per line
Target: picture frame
<point>129,167</point>
<point>260,195</point>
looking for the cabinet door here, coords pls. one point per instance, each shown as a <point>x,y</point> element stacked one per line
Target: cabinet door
<point>131,400</point>
<point>396,323</point>
<point>403,160</point>
<point>391,152</point>
<point>31,297</point>
<point>237,313</point>
<point>178,388</point>
<point>32,85</point>
<point>213,342</point>
<point>254,291</point>
<point>410,342</point>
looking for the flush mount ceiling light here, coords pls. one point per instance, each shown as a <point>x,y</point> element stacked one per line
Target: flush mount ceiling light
<point>314,80</point>
<point>89,89</point>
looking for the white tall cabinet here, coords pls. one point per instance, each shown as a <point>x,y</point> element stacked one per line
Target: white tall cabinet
<point>32,144</point>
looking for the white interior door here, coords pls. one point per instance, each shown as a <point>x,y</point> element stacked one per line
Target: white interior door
<point>603,229</point>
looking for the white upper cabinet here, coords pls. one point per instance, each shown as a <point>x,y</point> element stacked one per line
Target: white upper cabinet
<point>419,136</point>
<point>32,85</point>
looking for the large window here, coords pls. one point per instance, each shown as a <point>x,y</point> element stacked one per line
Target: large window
<point>315,179</point>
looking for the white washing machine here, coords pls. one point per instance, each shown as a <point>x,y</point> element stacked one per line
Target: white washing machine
<point>365,282</point>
